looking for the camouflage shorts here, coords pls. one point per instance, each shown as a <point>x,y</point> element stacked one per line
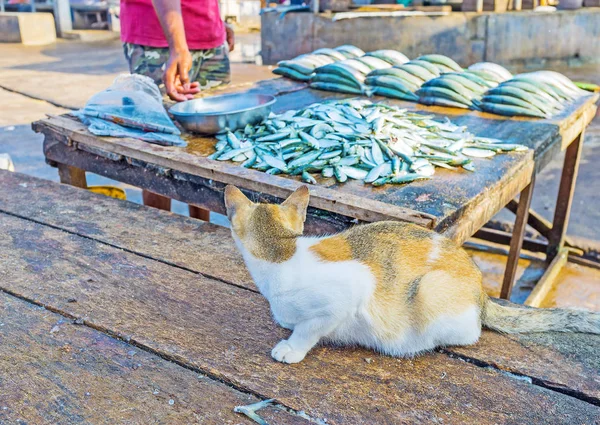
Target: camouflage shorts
<point>209,67</point>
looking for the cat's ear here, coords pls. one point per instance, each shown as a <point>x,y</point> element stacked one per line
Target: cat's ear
<point>298,202</point>
<point>235,200</point>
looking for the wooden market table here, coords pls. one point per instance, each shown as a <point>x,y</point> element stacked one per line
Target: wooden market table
<point>115,313</point>
<point>454,203</point>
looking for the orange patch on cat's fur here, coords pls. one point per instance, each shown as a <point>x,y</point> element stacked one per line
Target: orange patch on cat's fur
<point>335,248</point>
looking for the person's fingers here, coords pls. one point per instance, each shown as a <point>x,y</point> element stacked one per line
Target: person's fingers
<point>169,79</point>
<point>178,97</point>
<point>194,87</point>
<point>184,74</point>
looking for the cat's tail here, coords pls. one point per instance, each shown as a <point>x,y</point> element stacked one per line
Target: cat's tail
<point>515,318</point>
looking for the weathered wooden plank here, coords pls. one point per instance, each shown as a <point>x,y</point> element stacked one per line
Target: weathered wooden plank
<point>465,204</point>
<point>72,175</point>
<point>53,371</point>
<point>208,249</point>
<point>194,163</point>
<point>185,187</point>
<point>548,280</point>
<point>456,204</point>
<point>276,86</point>
<point>227,332</point>
<point>567,363</point>
<point>469,219</point>
<point>461,192</point>
<point>516,242</point>
<point>193,244</point>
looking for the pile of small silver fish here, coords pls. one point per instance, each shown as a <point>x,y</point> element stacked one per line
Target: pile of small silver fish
<point>349,76</point>
<point>538,94</point>
<point>356,139</point>
<point>302,68</point>
<point>463,89</point>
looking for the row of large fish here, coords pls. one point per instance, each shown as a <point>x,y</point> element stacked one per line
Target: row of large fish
<point>433,80</point>
<point>356,139</point>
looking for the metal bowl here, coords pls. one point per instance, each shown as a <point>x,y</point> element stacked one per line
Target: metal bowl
<point>212,115</point>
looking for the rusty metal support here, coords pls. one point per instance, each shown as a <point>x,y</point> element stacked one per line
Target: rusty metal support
<point>556,235</point>
<point>516,241</point>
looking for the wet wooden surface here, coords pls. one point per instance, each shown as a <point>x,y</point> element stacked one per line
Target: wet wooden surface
<point>456,203</point>
<point>53,371</point>
<point>51,254</point>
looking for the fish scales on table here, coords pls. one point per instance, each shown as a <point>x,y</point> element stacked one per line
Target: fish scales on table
<point>355,139</point>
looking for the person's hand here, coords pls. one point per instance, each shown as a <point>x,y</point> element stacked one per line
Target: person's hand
<point>176,76</point>
<point>230,36</point>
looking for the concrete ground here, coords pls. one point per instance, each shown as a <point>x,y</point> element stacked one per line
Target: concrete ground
<point>35,81</point>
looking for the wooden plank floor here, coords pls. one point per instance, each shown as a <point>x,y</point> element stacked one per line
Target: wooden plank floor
<point>203,248</point>
<point>53,371</point>
<point>125,283</point>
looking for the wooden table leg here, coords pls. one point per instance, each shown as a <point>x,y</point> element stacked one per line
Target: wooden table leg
<point>516,242</point>
<point>556,235</point>
<point>155,200</point>
<point>199,213</point>
<point>557,254</point>
<point>72,175</point>
<point>541,225</point>
<point>535,220</point>
<point>547,281</point>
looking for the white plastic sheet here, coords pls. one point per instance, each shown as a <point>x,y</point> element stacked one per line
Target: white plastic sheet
<point>131,107</point>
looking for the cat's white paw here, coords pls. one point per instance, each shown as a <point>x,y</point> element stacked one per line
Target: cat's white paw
<point>283,352</point>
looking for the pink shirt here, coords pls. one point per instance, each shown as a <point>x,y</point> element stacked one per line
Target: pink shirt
<point>204,28</point>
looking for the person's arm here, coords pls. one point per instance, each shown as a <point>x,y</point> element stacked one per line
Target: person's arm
<point>176,77</point>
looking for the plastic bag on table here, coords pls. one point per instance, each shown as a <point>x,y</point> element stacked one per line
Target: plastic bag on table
<point>131,107</point>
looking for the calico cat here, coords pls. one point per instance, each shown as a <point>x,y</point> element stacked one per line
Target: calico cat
<point>393,287</point>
